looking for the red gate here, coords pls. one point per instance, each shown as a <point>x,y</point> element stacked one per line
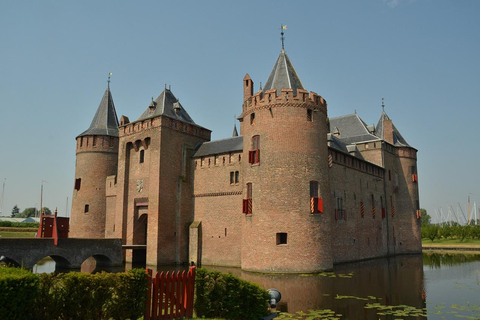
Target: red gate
<point>170,295</point>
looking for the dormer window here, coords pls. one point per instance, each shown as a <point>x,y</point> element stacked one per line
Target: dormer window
<point>176,108</point>
<point>152,106</point>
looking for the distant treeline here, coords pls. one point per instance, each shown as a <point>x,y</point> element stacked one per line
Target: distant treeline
<point>450,230</point>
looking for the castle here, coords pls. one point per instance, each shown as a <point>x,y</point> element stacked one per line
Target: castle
<point>295,192</point>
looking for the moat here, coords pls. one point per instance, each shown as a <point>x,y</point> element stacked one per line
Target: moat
<point>439,286</point>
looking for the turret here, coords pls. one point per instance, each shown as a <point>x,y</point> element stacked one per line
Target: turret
<point>97,158</point>
<point>402,188</point>
<point>286,192</point>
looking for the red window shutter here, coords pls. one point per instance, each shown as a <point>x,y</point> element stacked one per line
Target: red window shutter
<point>320,205</point>
<point>383,213</point>
<point>249,206</point>
<point>414,178</point>
<point>250,156</point>
<point>312,205</point>
<point>362,209</point>
<point>245,205</point>
<point>419,214</point>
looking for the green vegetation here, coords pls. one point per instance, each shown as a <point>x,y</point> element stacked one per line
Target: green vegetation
<point>16,234</point>
<point>9,224</point>
<point>73,295</point>
<point>229,297</point>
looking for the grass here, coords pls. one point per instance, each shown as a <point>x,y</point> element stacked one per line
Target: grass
<point>16,234</point>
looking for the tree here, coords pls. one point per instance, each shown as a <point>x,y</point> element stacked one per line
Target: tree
<point>32,212</point>
<point>426,218</point>
<point>15,211</point>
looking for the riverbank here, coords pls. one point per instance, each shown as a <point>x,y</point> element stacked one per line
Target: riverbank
<point>451,245</point>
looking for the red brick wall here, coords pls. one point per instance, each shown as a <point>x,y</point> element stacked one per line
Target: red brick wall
<point>218,205</point>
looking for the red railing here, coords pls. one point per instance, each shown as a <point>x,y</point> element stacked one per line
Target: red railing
<point>170,295</point>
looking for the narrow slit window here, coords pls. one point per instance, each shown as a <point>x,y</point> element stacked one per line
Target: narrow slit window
<point>142,156</point>
<point>87,208</point>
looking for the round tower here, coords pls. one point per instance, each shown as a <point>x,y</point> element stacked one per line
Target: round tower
<point>287,224</point>
<point>97,158</point>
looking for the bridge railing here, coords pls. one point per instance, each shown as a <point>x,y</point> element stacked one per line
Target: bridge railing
<point>170,295</point>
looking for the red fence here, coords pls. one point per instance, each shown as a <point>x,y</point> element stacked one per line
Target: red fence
<point>170,295</point>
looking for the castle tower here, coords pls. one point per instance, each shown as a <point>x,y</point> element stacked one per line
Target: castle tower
<point>97,154</point>
<point>154,205</point>
<point>402,189</point>
<point>287,226</point>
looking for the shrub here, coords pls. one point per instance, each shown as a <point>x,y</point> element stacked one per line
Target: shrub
<point>226,296</point>
<point>18,289</point>
<point>100,296</point>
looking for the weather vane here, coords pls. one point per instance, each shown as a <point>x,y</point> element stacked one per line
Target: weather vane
<point>283,27</point>
<point>108,81</point>
<point>383,104</point>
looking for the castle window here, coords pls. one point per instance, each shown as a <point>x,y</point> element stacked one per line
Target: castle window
<point>392,206</point>
<point>87,208</point>
<point>94,141</point>
<point>309,115</point>
<point>254,154</point>
<point>373,206</point>
<point>252,118</point>
<point>81,141</point>
<point>247,203</point>
<point>281,238</point>
<point>142,156</point>
<point>383,208</point>
<point>414,174</point>
<point>232,177</point>
<point>389,175</point>
<point>316,203</point>
<point>237,176</point>
<point>78,182</point>
<point>339,212</point>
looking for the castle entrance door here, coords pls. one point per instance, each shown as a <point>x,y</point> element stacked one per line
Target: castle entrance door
<point>140,233</point>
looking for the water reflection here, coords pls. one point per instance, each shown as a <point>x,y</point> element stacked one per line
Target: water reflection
<point>48,265</point>
<point>393,281</point>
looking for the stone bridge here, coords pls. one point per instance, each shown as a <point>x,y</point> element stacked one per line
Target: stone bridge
<point>69,253</point>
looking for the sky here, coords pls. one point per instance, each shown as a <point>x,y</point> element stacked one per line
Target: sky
<point>421,56</point>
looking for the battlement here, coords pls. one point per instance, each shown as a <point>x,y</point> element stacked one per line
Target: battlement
<point>269,97</point>
<point>129,128</point>
<point>97,144</point>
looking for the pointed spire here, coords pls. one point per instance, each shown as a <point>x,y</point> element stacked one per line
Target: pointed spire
<point>235,132</point>
<point>283,75</point>
<point>105,121</point>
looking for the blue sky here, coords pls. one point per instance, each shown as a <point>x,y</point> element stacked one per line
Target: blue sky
<point>421,56</point>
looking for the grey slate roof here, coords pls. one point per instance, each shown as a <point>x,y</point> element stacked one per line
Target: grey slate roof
<point>351,129</point>
<point>166,105</point>
<point>283,76</point>
<point>105,121</point>
<point>219,147</point>
<point>398,140</point>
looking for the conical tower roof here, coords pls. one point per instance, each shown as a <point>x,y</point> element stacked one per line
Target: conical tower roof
<point>398,139</point>
<point>166,104</point>
<point>283,75</point>
<point>105,121</point>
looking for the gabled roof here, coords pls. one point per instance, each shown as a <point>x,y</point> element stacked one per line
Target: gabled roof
<point>351,129</point>
<point>166,105</point>
<point>105,121</point>
<point>283,75</point>
<point>398,140</point>
<point>220,147</point>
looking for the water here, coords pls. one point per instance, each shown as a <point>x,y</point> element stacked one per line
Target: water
<point>433,286</point>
